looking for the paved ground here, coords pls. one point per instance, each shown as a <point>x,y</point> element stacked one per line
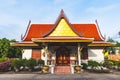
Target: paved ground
<point>82,76</point>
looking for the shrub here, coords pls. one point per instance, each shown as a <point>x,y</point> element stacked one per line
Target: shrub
<point>23,62</point>
<point>2,59</point>
<point>40,62</point>
<point>118,63</point>
<point>16,64</point>
<point>93,63</point>
<point>108,64</point>
<point>31,63</point>
<point>84,66</point>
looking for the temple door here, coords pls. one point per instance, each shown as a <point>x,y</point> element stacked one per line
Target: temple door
<point>63,56</point>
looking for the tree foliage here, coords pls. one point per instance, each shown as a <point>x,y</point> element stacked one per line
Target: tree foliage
<point>9,51</point>
<point>118,44</point>
<point>111,40</point>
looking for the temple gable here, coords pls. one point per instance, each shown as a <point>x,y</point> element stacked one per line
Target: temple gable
<point>63,29</point>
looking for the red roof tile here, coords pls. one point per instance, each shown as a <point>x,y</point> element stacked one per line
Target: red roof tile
<point>42,30</point>
<point>36,31</point>
<point>83,30</point>
<point>39,30</point>
<point>89,31</point>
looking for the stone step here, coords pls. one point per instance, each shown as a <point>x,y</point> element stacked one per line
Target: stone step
<point>62,70</point>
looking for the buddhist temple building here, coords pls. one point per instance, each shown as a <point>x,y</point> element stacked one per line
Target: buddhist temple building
<point>63,43</point>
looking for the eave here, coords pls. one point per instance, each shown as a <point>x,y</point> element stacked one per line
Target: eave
<point>20,44</point>
<point>62,39</point>
<point>101,43</point>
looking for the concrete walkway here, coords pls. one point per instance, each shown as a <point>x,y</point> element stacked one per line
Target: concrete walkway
<point>81,76</point>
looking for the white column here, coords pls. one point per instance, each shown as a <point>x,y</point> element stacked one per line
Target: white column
<point>79,55</point>
<point>46,51</point>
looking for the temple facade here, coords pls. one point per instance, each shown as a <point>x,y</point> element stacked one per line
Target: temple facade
<point>63,43</point>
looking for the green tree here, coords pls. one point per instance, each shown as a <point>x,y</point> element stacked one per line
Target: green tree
<point>14,52</point>
<point>4,46</point>
<point>110,40</point>
<point>117,44</point>
<point>9,51</point>
<point>111,50</point>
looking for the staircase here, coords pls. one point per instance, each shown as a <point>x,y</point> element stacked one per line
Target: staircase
<point>62,70</point>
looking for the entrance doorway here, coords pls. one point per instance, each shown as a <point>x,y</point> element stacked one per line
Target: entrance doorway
<point>62,56</point>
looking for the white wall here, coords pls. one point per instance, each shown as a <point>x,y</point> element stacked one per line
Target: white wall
<point>95,54</point>
<point>27,54</point>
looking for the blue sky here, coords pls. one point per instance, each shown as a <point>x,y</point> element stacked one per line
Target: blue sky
<point>15,14</point>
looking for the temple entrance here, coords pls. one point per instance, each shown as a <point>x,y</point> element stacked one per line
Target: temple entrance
<point>62,56</point>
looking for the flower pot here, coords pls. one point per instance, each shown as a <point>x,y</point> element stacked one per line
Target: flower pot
<point>45,69</point>
<point>78,69</point>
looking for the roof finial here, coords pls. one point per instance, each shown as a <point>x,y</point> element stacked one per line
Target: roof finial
<point>62,12</point>
<point>96,21</point>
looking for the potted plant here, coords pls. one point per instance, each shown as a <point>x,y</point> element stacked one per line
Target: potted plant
<point>45,69</point>
<point>78,69</point>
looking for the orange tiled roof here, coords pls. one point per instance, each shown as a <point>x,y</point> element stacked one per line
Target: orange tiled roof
<point>36,31</point>
<point>89,31</point>
<point>43,30</point>
<point>39,30</point>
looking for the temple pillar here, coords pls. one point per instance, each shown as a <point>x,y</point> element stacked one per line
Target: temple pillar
<point>79,58</point>
<point>46,52</point>
<point>79,54</point>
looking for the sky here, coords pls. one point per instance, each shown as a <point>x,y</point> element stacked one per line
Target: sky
<point>15,15</point>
